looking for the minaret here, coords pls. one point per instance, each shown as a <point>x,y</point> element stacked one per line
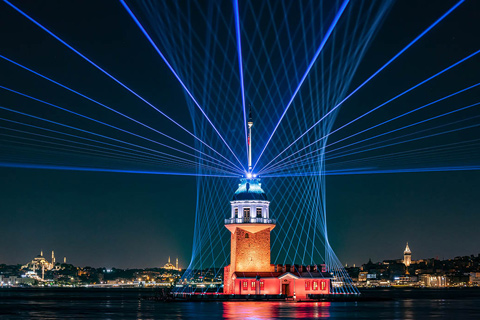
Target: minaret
<point>53,259</point>
<point>64,259</point>
<point>250,125</point>
<point>168,260</point>
<point>41,253</point>
<point>407,256</point>
<point>176,264</point>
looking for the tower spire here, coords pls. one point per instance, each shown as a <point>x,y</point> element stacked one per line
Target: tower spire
<point>250,125</point>
<point>407,250</point>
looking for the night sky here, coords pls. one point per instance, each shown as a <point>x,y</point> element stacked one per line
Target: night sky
<point>138,220</point>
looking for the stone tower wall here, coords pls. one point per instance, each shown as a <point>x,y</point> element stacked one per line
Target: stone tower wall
<point>251,251</point>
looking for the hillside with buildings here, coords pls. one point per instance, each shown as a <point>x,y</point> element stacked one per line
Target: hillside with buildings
<point>457,272</point>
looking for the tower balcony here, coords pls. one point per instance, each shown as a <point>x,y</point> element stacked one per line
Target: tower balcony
<point>250,220</point>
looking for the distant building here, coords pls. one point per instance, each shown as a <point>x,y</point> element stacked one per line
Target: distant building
<point>407,256</point>
<point>40,263</point>
<point>362,276</point>
<point>170,266</point>
<point>474,279</point>
<point>458,280</point>
<point>434,281</point>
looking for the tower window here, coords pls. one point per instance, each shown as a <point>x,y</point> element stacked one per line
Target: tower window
<point>261,285</point>
<point>236,212</point>
<point>259,212</point>
<point>246,214</point>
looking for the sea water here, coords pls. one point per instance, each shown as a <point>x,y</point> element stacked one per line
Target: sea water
<point>92,303</point>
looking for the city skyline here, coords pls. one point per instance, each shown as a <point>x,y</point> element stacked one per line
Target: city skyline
<point>131,220</point>
<point>387,257</point>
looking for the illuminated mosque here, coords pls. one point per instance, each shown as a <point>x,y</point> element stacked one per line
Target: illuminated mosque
<point>170,266</point>
<point>250,270</point>
<point>40,263</point>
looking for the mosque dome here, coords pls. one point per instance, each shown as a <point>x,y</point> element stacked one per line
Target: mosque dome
<point>250,189</point>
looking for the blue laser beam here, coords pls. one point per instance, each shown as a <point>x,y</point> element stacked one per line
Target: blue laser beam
<point>177,76</point>
<point>371,171</point>
<point>62,147</point>
<point>151,159</point>
<point>380,124</point>
<point>432,151</point>
<point>69,168</point>
<point>97,141</point>
<point>317,53</point>
<point>413,139</point>
<point>240,66</point>
<point>113,110</point>
<point>117,128</point>
<point>374,74</point>
<point>399,95</point>
<point>110,76</point>
<point>92,133</point>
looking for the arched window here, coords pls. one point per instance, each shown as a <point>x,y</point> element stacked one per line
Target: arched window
<point>247,236</point>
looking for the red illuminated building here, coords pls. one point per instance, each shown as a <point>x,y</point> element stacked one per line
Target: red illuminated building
<point>250,270</point>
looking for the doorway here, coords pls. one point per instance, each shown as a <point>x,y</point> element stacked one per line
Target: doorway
<point>285,287</point>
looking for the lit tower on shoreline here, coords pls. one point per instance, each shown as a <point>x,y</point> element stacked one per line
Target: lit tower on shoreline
<point>407,256</point>
<point>250,270</point>
<point>249,224</point>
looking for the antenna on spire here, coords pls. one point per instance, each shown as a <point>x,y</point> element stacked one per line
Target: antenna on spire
<point>250,125</point>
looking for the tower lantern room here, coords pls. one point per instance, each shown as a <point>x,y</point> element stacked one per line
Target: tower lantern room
<point>249,203</point>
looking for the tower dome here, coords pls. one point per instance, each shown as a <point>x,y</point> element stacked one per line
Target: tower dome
<point>250,204</point>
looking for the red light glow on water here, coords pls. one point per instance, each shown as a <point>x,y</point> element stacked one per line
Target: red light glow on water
<point>271,310</point>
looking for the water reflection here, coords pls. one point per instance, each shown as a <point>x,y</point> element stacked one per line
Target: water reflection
<point>269,310</point>
<point>63,304</point>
